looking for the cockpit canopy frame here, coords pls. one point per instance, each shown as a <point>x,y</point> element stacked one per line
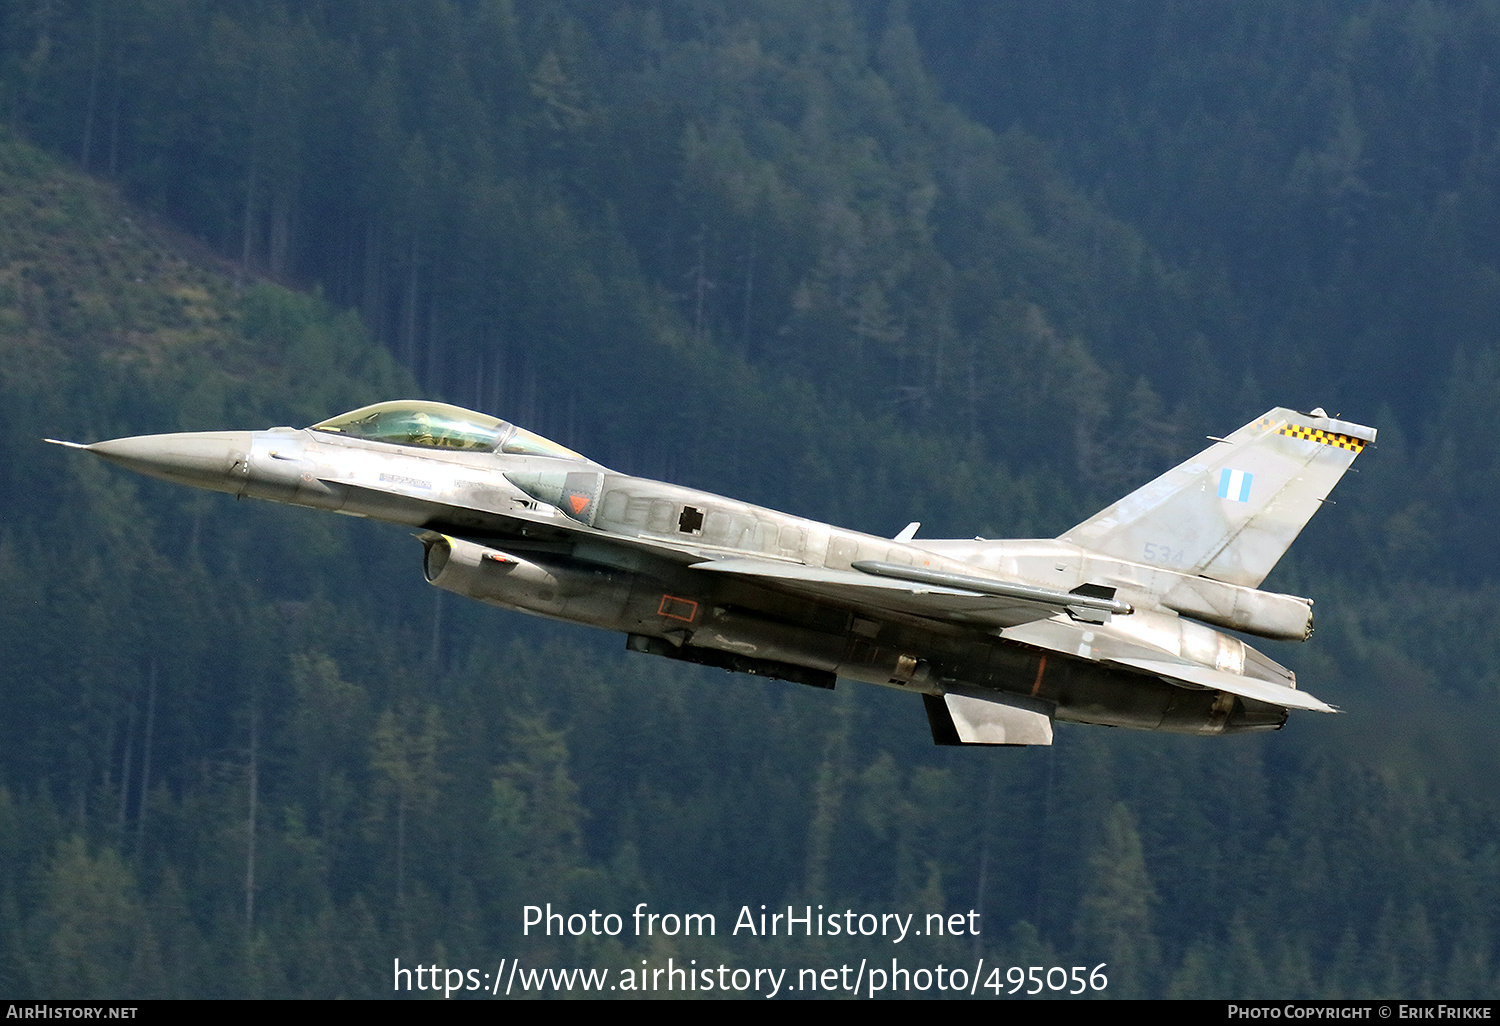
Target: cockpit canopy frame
<point>430,425</point>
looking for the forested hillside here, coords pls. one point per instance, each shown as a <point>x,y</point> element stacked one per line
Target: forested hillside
<point>987,266</point>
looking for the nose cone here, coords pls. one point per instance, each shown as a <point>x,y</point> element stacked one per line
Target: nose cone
<point>204,459</point>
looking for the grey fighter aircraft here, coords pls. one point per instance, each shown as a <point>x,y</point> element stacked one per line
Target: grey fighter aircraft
<point>1110,623</point>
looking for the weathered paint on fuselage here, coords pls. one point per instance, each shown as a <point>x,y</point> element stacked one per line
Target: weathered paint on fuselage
<point>1113,622</point>
<point>653,595</point>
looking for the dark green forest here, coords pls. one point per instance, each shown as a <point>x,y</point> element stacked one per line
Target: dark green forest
<point>984,265</point>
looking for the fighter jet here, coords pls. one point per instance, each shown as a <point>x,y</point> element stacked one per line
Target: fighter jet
<point>1112,622</point>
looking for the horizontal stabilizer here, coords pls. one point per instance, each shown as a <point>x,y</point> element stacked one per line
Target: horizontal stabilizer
<point>1201,676</point>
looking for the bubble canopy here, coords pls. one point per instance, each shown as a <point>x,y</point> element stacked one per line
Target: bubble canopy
<point>431,425</point>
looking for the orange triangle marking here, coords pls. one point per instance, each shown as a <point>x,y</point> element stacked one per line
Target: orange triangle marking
<point>578,502</point>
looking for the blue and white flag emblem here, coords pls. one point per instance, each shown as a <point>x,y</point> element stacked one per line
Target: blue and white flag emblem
<point>1235,485</point>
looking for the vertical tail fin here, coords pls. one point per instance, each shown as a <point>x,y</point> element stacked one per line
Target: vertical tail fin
<point>1230,512</point>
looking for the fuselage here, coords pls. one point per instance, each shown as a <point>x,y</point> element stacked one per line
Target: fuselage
<point>546,531</point>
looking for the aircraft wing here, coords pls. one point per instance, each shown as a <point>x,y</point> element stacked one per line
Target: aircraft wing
<point>870,591</point>
<point>889,594</point>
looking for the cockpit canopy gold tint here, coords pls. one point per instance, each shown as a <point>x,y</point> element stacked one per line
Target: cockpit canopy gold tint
<point>440,426</point>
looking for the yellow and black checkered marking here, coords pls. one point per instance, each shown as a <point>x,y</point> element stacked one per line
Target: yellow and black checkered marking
<point>1319,435</point>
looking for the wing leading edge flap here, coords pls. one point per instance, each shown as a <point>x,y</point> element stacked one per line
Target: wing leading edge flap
<point>974,717</point>
<point>949,597</point>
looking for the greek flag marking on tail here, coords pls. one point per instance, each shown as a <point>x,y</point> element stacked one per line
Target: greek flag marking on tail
<point>1234,485</point>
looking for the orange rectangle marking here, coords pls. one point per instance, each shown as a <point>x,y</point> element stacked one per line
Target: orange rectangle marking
<point>674,608</point>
